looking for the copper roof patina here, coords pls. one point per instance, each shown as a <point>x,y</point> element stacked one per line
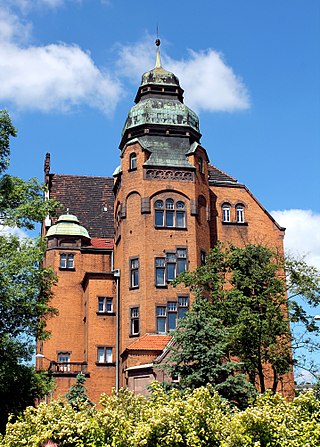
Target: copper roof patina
<point>68,225</point>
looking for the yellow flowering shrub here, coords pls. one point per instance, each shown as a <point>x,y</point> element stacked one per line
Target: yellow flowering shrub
<point>171,419</point>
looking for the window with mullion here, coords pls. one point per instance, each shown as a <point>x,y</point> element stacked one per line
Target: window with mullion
<point>160,271</point>
<point>134,273</point>
<point>135,321</point>
<point>170,266</point>
<point>66,261</point>
<point>104,354</point>
<point>161,313</point>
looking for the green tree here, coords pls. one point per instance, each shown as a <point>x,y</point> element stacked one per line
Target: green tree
<point>201,356</point>
<point>77,393</point>
<point>245,290</point>
<point>25,287</point>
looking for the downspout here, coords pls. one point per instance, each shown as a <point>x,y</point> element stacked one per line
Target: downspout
<point>116,275</point>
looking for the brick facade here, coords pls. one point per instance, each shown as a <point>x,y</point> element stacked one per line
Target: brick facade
<point>164,209</point>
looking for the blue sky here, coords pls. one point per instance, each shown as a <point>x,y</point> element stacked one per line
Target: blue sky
<point>69,71</point>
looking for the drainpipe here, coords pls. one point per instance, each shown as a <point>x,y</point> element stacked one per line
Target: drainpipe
<point>116,275</point>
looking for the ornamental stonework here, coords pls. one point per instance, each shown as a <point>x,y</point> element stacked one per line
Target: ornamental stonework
<point>169,174</point>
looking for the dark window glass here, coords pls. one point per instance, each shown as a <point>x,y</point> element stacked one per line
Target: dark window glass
<point>100,304</point>
<point>169,218</point>
<point>172,320</point>
<point>66,261</point>
<point>135,321</point>
<point>134,268</point>
<point>180,219</point>
<point>161,319</point>
<point>159,218</point>
<point>133,161</point>
<point>160,271</point>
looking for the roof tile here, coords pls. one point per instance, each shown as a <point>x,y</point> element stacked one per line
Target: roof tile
<point>150,342</point>
<point>91,199</point>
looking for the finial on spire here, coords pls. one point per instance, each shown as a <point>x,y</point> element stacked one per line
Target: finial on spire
<point>158,59</point>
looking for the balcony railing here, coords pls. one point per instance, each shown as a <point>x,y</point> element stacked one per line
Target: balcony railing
<point>68,367</point>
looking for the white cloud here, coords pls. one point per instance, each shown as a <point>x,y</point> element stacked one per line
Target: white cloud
<point>52,77</point>
<point>210,84</point>
<point>302,233</point>
<point>6,231</point>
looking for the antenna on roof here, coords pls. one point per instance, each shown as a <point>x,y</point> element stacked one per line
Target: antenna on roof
<point>67,210</point>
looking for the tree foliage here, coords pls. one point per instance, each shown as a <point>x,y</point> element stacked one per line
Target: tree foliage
<point>197,418</point>
<point>77,393</point>
<point>242,301</point>
<point>25,287</point>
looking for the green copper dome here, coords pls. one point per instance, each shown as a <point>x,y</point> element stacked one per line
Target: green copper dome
<point>159,108</point>
<point>68,225</point>
<point>159,75</point>
<point>161,111</point>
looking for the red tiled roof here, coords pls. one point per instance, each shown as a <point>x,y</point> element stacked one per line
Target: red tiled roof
<point>150,342</point>
<point>98,242</point>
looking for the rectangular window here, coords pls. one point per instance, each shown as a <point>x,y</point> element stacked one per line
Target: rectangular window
<point>167,316</point>
<point>134,273</point>
<point>104,354</point>
<point>172,315</point>
<point>181,260</point>
<point>159,218</point>
<point>160,271</point>
<point>183,306</point>
<point>66,261</point>
<point>169,218</point>
<point>105,305</point>
<point>180,219</point>
<point>171,266</point>
<point>161,313</point>
<point>63,361</point>
<point>135,321</point>
<point>168,268</point>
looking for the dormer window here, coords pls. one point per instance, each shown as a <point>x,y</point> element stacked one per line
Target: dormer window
<point>240,213</point>
<point>226,212</point>
<point>133,161</point>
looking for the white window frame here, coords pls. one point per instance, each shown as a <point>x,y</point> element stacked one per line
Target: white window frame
<point>133,161</point>
<point>134,317</point>
<point>240,213</point>
<point>226,212</point>
<point>106,301</point>
<point>66,261</point>
<point>107,354</point>
<point>134,273</point>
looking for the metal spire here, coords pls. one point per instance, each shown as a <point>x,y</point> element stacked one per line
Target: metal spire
<point>158,59</point>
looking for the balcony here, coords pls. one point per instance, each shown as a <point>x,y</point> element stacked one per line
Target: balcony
<point>68,368</point>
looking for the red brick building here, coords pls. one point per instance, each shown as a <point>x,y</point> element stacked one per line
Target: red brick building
<point>124,239</point>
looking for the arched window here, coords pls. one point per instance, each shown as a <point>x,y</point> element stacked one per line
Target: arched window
<point>133,160</point>
<point>159,213</point>
<point>170,213</point>
<point>240,213</point>
<point>200,165</point>
<point>226,212</point>
<point>180,214</point>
